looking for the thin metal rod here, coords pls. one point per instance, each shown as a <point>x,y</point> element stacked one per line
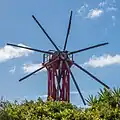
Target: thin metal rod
<point>68,31</point>
<point>75,83</point>
<point>45,33</point>
<point>81,50</point>
<point>45,65</point>
<point>31,74</point>
<point>95,78</point>
<point>29,48</point>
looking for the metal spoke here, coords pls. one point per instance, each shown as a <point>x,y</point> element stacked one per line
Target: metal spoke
<point>45,33</point>
<point>75,83</point>
<point>68,31</point>
<point>45,65</point>
<point>81,50</point>
<point>29,48</point>
<point>95,78</point>
<point>31,74</point>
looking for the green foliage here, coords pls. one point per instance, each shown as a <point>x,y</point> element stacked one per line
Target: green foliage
<point>105,106</point>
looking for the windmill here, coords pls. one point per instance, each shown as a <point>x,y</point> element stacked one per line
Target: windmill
<point>58,64</point>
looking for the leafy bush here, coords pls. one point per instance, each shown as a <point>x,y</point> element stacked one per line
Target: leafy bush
<point>105,106</point>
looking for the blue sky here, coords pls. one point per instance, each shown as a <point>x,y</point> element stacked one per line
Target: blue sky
<point>92,23</point>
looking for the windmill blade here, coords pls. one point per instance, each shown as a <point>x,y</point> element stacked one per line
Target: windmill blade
<point>81,50</point>
<point>29,48</point>
<point>95,78</point>
<point>68,31</point>
<point>45,65</point>
<point>31,74</point>
<point>45,33</point>
<point>75,83</point>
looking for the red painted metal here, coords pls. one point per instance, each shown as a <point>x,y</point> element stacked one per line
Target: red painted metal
<point>64,91</point>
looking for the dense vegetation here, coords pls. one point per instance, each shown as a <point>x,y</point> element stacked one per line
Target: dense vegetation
<point>104,106</point>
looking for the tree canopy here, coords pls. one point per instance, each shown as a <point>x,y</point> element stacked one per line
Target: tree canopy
<point>104,106</point>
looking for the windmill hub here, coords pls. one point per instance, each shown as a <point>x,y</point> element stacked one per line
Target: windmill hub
<point>58,64</point>
<point>58,56</point>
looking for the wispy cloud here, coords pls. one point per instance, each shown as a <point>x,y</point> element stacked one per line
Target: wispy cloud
<point>114,20</point>
<point>72,92</point>
<point>43,96</point>
<point>9,52</point>
<point>87,11</point>
<point>12,70</point>
<point>109,9</point>
<point>102,4</point>
<point>94,13</point>
<point>82,9</point>
<point>103,61</point>
<point>28,68</point>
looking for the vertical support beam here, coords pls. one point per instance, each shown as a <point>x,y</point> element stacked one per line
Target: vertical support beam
<point>68,86</point>
<point>49,82</point>
<point>52,82</point>
<point>57,92</point>
<point>63,85</point>
<point>54,86</point>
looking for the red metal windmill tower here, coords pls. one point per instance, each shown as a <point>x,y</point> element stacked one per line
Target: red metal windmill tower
<point>58,64</point>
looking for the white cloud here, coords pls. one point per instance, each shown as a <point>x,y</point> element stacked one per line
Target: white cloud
<point>9,52</point>
<point>71,92</point>
<point>102,4</point>
<point>114,20</point>
<point>94,13</point>
<point>82,9</point>
<point>103,61</point>
<point>109,9</point>
<point>43,96</point>
<point>28,68</point>
<point>12,70</point>
<point>102,7</point>
<point>74,92</point>
<point>113,17</point>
